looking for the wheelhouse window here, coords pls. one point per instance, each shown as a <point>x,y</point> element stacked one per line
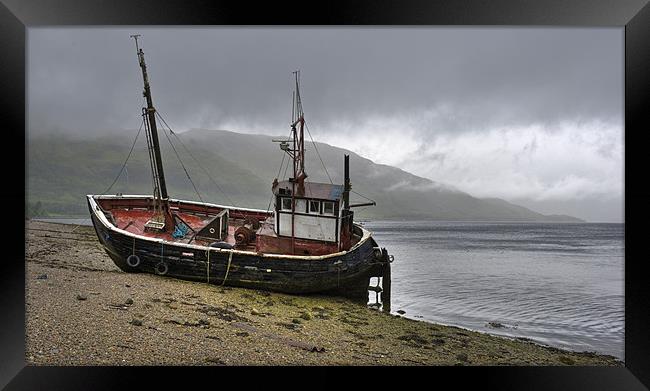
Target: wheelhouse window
<point>286,203</point>
<point>301,205</point>
<point>314,206</point>
<point>328,208</point>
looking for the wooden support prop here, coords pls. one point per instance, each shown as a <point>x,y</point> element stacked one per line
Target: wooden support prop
<point>385,283</point>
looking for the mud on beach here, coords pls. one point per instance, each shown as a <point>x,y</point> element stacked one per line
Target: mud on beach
<point>82,310</point>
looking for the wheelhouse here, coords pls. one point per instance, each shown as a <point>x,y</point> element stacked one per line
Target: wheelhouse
<point>315,215</point>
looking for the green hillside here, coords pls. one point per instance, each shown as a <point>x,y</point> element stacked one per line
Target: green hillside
<point>62,169</point>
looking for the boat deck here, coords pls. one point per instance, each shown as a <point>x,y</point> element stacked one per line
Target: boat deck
<point>133,220</point>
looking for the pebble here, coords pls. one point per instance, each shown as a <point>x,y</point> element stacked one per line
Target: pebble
<point>81,296</point>
<point>128,301</point>
<point>306,315</point>
<point>254,311</point>
<point>42,277</point>
<point>401,312</point>
<point>136,322</point>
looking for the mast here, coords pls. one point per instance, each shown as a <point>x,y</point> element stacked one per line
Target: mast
<point>162,220</point>
<point>150,116</point>
<point>347,215</point>
<point>346,182</point>
<point>299,173</point>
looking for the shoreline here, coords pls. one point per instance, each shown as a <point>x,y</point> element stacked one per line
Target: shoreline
<point>63,217</point>
<point>81,310</point>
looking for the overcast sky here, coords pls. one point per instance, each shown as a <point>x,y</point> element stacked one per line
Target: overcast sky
<point>533,116</point>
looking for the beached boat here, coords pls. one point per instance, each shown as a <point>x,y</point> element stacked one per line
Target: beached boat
<point>307,243</point>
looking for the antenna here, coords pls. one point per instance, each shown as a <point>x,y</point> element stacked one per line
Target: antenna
<point>297,102</point>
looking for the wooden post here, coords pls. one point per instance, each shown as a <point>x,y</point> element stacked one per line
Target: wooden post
<point>385,285</point>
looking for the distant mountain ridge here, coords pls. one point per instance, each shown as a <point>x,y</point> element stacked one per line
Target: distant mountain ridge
<point>241,167</point>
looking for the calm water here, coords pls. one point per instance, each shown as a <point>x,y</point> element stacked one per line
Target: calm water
<point>558,284</point>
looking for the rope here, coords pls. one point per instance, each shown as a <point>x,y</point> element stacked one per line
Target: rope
<point>208,266</point>
<point>338,276</point>
<point>79,225</point>
<point>180,231</point>
<point>227,269</point>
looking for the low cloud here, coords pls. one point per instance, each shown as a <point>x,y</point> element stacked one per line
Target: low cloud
<point>575,160</point>
<point>424,187</point>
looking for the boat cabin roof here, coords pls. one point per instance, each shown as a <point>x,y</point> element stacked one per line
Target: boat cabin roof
<point>324,191</point>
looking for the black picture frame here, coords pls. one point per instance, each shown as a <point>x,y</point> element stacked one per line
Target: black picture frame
<point>18,15</point>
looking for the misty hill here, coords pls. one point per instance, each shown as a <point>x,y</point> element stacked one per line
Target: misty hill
<point>62,169</point>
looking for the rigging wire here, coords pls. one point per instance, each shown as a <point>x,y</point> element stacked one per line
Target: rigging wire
<point>184,169</point>
<point>284,175</point>
<point>285,171</point>
<point>281,164</point>
<point>297,104</point>
<point>358,212</point>
<point>317,153</point>
<point>119,174</point>
<point>369,199</point>
<point>268,208</point>
<point>127,159</point>
<point>283,156</point>
<point>196,161</point>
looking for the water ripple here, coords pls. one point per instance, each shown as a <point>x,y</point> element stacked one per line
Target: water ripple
<point>559,284</point>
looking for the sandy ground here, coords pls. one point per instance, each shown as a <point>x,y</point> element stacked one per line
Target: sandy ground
<point>82,310</point>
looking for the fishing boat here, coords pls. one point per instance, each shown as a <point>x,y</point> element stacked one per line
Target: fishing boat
<point>307,243</point>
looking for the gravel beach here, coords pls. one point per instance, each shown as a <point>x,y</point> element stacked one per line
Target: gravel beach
<point>82,310</point>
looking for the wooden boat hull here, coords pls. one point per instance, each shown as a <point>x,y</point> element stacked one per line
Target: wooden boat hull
<point>345,273</point>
